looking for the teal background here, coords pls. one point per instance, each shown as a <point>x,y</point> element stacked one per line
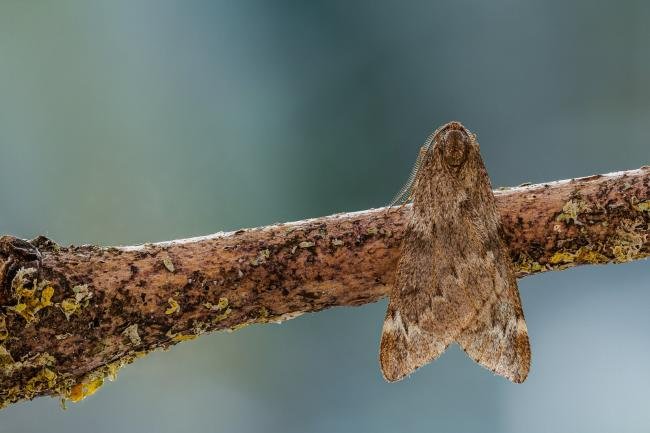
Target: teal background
<point>124,122</point>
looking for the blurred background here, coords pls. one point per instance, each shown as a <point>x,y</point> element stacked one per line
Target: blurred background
<point>124,122</point>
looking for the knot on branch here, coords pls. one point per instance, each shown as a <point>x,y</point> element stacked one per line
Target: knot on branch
<point>16,254</point>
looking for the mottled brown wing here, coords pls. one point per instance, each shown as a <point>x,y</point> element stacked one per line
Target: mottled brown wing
<point>498,338</point>
<point>408,340</point>
<point>454,280</point>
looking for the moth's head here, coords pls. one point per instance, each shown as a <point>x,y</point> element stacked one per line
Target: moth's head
<point>455,142</point>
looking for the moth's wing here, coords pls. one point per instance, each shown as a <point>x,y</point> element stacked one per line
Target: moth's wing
<point>421,321</point>
<point>407,341</point>
<point>497,337</point>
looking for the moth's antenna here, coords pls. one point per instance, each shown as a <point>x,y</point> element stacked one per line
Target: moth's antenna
<point>404,194</point>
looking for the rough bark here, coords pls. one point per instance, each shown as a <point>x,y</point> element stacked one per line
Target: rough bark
<point>71,316</point>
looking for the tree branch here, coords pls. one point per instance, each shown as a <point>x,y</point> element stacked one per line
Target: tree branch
<point>71,316</point>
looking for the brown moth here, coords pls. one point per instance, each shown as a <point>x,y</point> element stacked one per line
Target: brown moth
<point>455,281</point>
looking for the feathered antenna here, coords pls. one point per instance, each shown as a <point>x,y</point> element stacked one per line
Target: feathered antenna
<point>404,194</point>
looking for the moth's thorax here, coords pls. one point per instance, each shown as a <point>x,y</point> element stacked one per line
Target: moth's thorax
<point>450,180</point>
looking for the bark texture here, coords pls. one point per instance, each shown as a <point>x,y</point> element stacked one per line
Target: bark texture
<point>70,317</point>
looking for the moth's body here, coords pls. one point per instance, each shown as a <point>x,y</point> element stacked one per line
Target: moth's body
<point>454,281</point>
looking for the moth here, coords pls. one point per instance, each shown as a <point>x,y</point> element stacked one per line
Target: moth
<point>455,281</point>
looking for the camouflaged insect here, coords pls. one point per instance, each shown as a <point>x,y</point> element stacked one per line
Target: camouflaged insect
<point>455,281</point>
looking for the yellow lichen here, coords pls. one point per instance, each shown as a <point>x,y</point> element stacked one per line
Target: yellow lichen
<point>173,306</point>
<point>111,370</point>
<point>183,337</point>
<point>200,328</point>
<point>587,255</point>
<point>582,255</point>
<point>223,303</point>
<point>47,381</point>
<point>10,396</point>
<point>180,336</point>
<point>528,265</point>
<point>19,308</point>
<point>70,306</point>
<point>168,264</point>
<point>132,334</point>
<point>628,241</point>
<point>82,390</point>
<point>220,317</point>
<point>643,206</point>
<point>31,295</point>
<point>9,367</point>
<point>44,359</point>
<point>46,296</point>
<point>91,382</point>
<point>221,306</point>
<point>572,209</point>
<point>561,257</point>
<point>82,293</point>
<point>6,360</point>
<point>23,284</point>
<point>306,244</point>
<point>44,379</point>
<point>264,314</point>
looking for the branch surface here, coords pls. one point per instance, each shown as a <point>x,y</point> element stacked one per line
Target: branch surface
<point>70,317</point>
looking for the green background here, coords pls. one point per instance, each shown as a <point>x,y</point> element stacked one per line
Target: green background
<point>124,122</point>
